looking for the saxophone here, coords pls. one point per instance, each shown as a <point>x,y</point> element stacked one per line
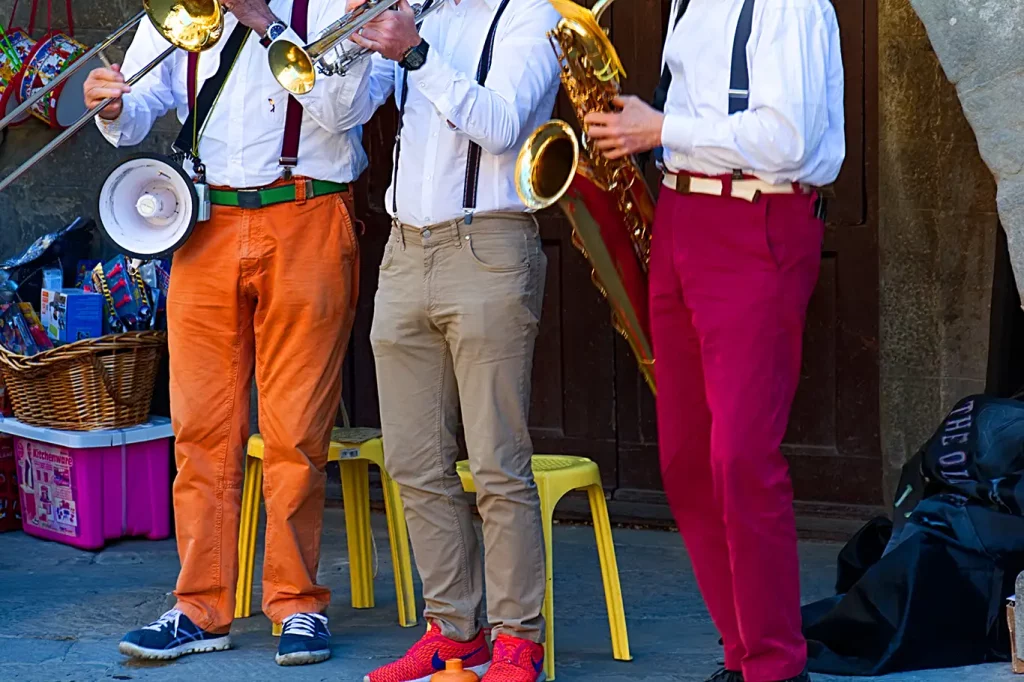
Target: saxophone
<point>608,202</point>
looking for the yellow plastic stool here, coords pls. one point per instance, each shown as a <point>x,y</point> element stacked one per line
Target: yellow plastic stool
<point>354,450</point>
<point>557,475</point>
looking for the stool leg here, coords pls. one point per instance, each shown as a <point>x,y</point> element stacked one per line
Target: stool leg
<point>547,511</point>
<point>252,493</point>
<point>398,533</point>
<point>610,574</point>
<point>355,486</point>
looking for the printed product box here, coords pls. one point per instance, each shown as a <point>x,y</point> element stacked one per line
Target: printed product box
<point>86,488</point>
<point>71,314</point>
<point>53,279</point>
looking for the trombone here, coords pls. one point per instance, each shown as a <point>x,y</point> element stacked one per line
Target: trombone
<point>295,66</point>
<point>192,25</point>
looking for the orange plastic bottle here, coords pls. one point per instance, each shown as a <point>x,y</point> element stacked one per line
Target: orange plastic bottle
<point>453,672</point>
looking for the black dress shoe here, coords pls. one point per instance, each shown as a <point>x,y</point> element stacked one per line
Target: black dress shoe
<point>725,675</point>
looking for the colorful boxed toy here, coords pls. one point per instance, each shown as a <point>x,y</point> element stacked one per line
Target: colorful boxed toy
<point>85,488</point>
<point>15,334</point>
<point>72,315</point>
<point>53,278</point>
<point>84,275</point>
<point>35,327</point>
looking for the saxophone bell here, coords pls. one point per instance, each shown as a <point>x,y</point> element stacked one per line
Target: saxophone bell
<point>547,164</point>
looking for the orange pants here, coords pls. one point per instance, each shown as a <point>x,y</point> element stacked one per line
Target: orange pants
<point>274,291</point>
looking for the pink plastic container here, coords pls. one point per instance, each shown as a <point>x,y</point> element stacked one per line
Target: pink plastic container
<point>85,488</point>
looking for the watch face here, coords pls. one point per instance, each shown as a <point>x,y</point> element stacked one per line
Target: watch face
<point>275,30</point>
<point>414,59</point>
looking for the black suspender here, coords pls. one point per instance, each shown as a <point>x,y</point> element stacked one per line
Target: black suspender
<point>739,78</point>
<point>473,160</point>
<point>402,95</point>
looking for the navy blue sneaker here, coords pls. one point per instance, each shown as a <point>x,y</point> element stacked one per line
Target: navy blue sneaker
<point>170,636</point>
<point>304,639</point>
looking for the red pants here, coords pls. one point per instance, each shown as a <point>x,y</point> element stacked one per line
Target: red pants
<point>729,284</point>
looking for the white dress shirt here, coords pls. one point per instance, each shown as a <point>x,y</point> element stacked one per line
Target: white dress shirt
<point>792,130</point>
<point>446,108</point>
<point>241,143</point>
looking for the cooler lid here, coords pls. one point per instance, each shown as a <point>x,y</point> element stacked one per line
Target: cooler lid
<point>154,429</point>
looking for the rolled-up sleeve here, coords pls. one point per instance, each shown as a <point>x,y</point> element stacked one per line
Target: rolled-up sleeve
<point>524,69</point>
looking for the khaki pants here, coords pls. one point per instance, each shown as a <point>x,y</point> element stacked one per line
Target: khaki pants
<point>272,292</point>
<point>456,316</point>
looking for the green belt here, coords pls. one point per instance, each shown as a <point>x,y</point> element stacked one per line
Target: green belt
<point>258,198</point>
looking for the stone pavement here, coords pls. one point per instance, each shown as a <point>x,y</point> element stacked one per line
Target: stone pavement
<point>62,612</point>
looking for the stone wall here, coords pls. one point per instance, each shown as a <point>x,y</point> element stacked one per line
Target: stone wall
<point>978,43</point>
<point>937,230</point>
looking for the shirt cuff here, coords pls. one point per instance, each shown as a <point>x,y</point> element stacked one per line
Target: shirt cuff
<point>112,130</point>
<point>435,80</point>
<point>677,133</point>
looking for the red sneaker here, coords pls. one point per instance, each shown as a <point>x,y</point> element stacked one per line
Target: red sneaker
<point>516,660</point>
<point>428,656</point>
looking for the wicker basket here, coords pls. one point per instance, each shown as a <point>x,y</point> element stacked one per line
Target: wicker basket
<point>104,383</point>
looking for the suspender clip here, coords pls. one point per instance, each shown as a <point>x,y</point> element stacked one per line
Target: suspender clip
<point>467,216</point>
<point>287,164</point>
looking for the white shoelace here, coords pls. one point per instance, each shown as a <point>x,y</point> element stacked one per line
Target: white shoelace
<point>167,620</point>
<point>303,624</point>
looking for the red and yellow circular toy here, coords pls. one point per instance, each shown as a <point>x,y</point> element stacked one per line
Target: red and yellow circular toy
<point>17,46</point>
<point>65,104</point>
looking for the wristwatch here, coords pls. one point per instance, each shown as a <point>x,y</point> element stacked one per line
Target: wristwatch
<point>273,32</point>
<point>415,57</point>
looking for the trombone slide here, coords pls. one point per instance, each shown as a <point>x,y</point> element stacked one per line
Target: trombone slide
<point>80,123</point>
<point>67,73</point>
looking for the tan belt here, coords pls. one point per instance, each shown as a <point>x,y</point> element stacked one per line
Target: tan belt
<point>746,189</point>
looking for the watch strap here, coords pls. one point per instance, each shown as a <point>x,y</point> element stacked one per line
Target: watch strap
<point>267,39</point>
<point>421,48</point>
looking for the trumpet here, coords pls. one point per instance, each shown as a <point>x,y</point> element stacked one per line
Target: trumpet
<point>195,25</point>
<point>295,66</point>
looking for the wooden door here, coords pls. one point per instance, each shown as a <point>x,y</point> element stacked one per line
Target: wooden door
<point>588,398</point>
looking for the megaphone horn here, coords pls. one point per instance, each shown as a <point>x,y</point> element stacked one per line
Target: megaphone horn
<point>148,206</point>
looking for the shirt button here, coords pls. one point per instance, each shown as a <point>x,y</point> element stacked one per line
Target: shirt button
<point>426,234</point>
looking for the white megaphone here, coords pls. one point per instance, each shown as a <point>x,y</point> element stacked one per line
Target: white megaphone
<point>148,206</point>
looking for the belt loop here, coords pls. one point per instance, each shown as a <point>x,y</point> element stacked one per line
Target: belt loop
<point>303,190</point>
<point>401,233</point>
<point>727,186</point>
<point>458,234</point>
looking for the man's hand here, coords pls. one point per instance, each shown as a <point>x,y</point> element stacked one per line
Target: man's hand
<point>392,33</point>
<point>102,84</point>
<point>252,13</point>
<point>634,129</point>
